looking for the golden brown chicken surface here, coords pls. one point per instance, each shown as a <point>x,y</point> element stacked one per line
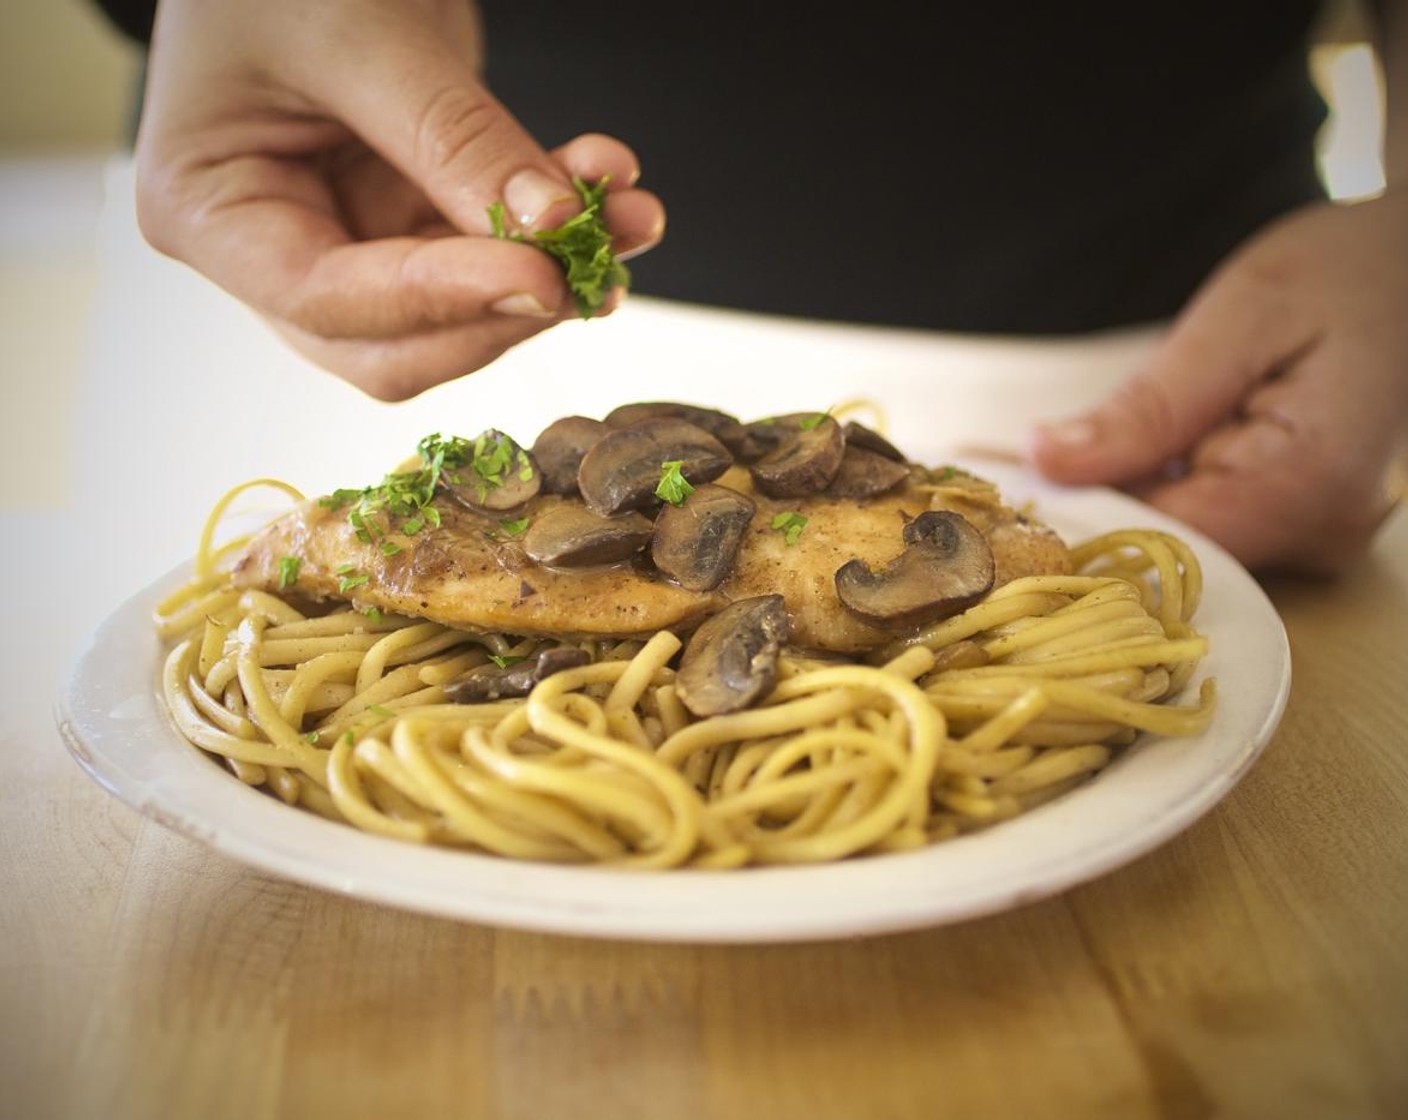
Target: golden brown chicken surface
<point>515,570</point>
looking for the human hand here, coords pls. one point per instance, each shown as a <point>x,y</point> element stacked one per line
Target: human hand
<point>1274,414</point>
<point>332,165</point>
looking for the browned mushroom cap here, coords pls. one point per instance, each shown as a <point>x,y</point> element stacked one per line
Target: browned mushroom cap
<point>759,437</point>
<point>727,429</point>
<point>571,536</point>
<point>622,470</point>
<point>499,475</point>
<point>559,448</point>
<point>864,474</point>
<point>771,432</point>
<point>804,463</point>
<point>858,435</point>
<point>946,567</point>
<point>731,660</point>
<point>489,682</point>
<point>695,542</point>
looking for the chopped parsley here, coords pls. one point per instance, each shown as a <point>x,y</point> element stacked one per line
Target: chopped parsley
<point>582,245</point>
<point>515,528</point>
<point>790,524</point>
<point>373,614</point>
<point>491,457</point>
<point>351,578</point>
<point>673,487</point>
<point>402,496</point>
<point>378,710</point>
<point>503,661</point>
<point>807,423</point>
<point>288,571</point>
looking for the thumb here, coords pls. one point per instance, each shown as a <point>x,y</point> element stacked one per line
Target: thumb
<point>423,108</point>
<point>1235,333</point>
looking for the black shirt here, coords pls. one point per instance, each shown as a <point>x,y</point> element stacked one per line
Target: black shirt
<point>975,167</point>
<point>1043,168</point>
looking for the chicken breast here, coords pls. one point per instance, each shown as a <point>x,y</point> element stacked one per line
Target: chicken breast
<point>870,529</point>
<point>473,573</point>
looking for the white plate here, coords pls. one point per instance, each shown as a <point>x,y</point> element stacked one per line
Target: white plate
<point>115,725</point>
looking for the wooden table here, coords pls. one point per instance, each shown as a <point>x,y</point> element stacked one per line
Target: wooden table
<point>1252,967</point>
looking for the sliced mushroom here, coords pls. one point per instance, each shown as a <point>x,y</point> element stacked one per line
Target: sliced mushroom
<point>768,434</point>
<point>858,435</point>
<point>695,542</point>
<point>864,474</point>
<point>622,470</point>
<point>499,476</point>
<point>728,429</point>
<point>804,463</point>
<point>489,682</point>
<point>730,662</point>
<point>945,568</point>
<point>559,448</point>
<point>760,437</point>
<point>569,535</point>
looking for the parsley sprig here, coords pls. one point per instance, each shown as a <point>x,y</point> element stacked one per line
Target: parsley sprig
<point>350,578</point>
<point>402,499</point>
<point>492,456</point>
<point>790,524</point>
<point>673,487</point>
<point>288,571</point>
<point>582,245</point>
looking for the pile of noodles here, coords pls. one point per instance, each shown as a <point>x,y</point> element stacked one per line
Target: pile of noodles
<point>970,722</point>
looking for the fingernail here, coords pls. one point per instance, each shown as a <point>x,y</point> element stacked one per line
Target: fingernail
<point>523,303</point>
<point>1071,433</point>
<point>530,194</point>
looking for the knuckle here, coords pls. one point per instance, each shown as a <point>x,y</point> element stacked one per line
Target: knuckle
<point>1263,271</point>
<point>452,125</point>
<point>390,386</point>
<point>421,305</point>
<point>1147,405</point>
<point>160,206</point>
<point>313,309</point>
<point>1263,280</point>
